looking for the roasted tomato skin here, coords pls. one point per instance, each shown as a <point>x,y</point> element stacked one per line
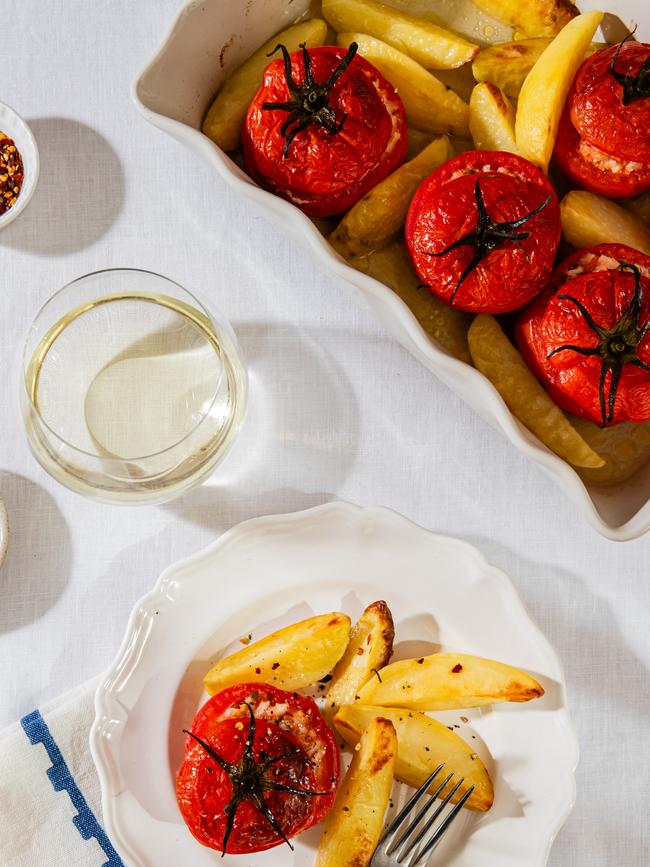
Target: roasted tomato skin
<point>444,209</point>
<point>601,257</point>
<point>296,714</point>
<point>203,789</point>
<point>587,166</point>
<point>325,174</point>
<point>572,379</point>
<point>597,109</point>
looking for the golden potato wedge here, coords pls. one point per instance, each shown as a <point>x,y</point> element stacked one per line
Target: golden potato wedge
<point>370,648</point>
<point>497,359</point>
<point>544,91</point>
<point>225,117</point>
<point>427,43</point>
<point>588,219</point>
<point>444,681</point>
<point>625,448</point>
<point>639,206</point>
<point>507,64</point>
<point>354,825</point>
<point>492,119</point>
<point>417,141</point>
<point>447,326</point>
<point>531,17</point>
<point>379,217</point>
<point>430,105</point>
<point>291,658</point>
<point>422,744</point>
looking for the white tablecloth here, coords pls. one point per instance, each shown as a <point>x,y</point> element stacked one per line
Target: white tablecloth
<point>337,410</point>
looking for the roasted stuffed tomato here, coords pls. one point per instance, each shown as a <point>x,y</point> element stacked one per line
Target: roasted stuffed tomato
<point>261,765</point>
<point>324,128</point>
<point>483,230</point>
<point>588,337</point>
<point>603,141</point>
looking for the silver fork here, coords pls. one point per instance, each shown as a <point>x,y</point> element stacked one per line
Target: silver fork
<point>410,843</point>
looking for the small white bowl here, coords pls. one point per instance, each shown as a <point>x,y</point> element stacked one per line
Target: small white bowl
<point>12,125</point>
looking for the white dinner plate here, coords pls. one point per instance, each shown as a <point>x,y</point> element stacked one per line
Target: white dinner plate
<point>272,571</point>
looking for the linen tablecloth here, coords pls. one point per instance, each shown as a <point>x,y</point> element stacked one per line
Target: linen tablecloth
<point>337,410</point>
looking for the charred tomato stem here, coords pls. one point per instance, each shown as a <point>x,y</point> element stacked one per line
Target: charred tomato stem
<point>617,346</point>
<point>488,234</point>
<point>249,781</point>
<point>310,102</point>
<point>635,86</point>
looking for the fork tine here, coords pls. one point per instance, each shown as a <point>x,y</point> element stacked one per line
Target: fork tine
<point>395,848</point>
<point>429,823</point>
<point>406,809</point>
<point>423,854</point>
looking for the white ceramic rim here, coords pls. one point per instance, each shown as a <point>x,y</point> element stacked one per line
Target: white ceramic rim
<point>108,707</point>
<point>32,170</point>
<point>4,531</point>
<point>428,352</point>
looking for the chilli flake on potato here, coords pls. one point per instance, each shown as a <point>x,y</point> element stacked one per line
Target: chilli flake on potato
<point>423,743</point>
<point>354,825</point>
<point>291,658</point>
<point>444,681</point>
<point>370,648</point>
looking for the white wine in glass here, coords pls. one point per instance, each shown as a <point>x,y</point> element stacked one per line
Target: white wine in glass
<point>133,391</point>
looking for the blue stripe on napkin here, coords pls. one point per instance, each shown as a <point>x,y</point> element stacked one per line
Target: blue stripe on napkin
<point>38,732</point>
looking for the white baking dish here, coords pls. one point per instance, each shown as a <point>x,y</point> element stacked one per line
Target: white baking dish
<point>208,40</point>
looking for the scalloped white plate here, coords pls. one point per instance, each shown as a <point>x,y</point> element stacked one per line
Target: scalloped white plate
<point>272,571</point>
<point>208,40</point>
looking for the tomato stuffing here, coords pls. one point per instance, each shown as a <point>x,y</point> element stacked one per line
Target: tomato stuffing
<point>601,257</point>
<point>261,765</point>
<point>324,128</point>
<point>483,230</point>
<point>589,341</point>
<point>603,141</point>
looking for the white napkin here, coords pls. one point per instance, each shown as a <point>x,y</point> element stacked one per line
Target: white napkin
<point>50,805</point>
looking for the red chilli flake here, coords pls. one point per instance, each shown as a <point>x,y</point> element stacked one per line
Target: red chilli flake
<point>457,668</point>
<point>12,173</point>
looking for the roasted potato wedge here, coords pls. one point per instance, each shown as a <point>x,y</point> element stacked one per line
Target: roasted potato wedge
<point>430,105</point>
<point>492,119</point>
<point>531,17</point>
<point>354,825</point>
<point>444,681</point>
<point>370,648</point>
<point>379,217</point>
<point>291,658</point>
<point>496,357</point>
<point>422,744</point>
<point>224,120</point>
<point>544,91</point>
<point>625,448</point>
<point>431,45</point>
<point>417,142</point>
<point>639,206</point>
<point>447,326</point>
<point>507,64</point>
<point>588,219</point>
